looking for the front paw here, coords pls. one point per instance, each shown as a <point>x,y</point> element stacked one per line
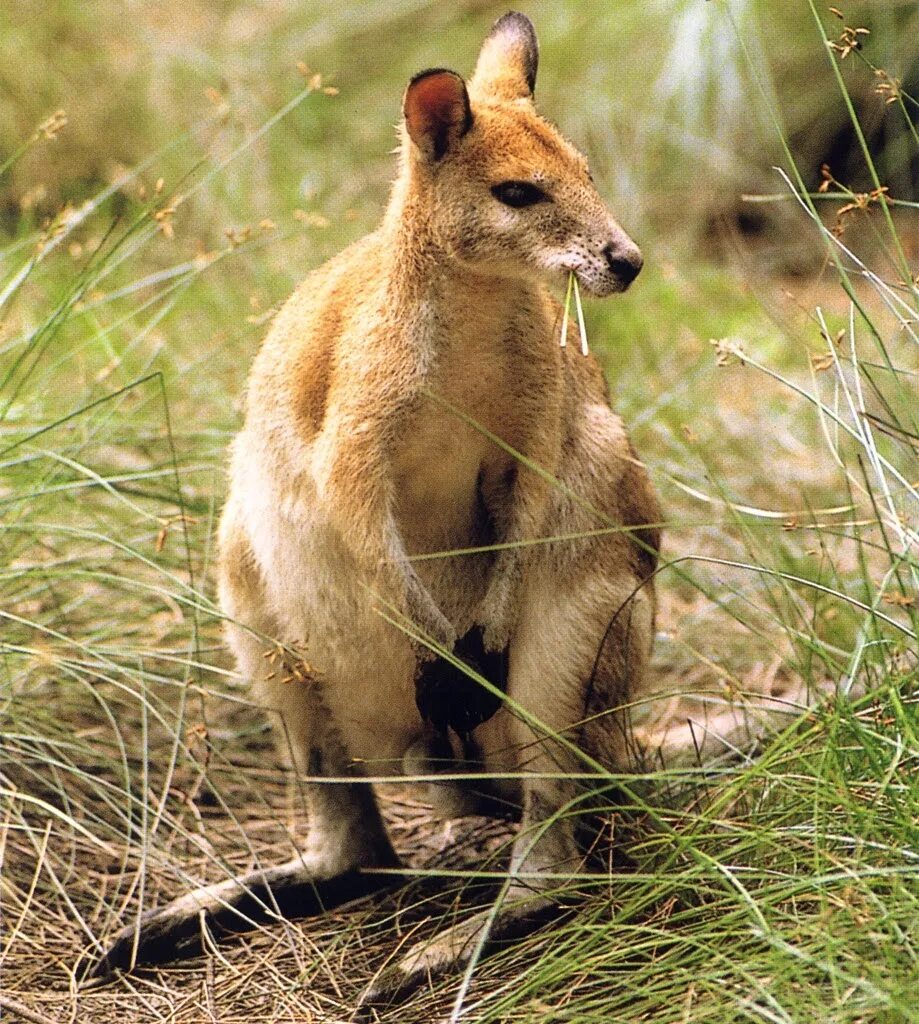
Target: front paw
<point>496,635</point>
<point>499,607</point>
<point>430,624</point>
<point>497,613</point>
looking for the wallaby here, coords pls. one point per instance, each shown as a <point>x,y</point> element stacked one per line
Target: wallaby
<point>412,397</point>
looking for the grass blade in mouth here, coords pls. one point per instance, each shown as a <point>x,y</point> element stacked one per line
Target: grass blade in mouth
<point>563,340</point>
<point>580,309</point>
<point>573,288</point>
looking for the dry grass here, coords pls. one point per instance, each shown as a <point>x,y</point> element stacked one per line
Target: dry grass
<point>132,766</point>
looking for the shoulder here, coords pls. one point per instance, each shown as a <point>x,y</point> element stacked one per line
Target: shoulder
<point>295,368</point>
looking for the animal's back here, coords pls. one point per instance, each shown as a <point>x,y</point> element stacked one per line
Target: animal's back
<point>296,366</point>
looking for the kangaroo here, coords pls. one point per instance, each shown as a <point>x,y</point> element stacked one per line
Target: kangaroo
<point>412,398</point>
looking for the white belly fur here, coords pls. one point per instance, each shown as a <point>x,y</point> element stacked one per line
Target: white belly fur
<point>320,599</point>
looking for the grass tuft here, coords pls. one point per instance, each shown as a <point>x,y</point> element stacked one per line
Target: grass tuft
<point>771,833</point>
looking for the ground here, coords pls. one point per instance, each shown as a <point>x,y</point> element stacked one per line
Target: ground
<point>772,879</point>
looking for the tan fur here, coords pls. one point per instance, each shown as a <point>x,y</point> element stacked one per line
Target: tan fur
<point>366,443</point>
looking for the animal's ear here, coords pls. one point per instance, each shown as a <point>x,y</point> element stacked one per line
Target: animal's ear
<point>437,112</point>
<point>506,69</point>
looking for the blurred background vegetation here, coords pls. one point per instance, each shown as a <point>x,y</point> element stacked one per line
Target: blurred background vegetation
<point>168,172</point>
<point>671,98</point>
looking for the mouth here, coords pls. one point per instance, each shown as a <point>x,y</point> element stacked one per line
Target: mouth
<point>597,286</point>
<point>612,274</point>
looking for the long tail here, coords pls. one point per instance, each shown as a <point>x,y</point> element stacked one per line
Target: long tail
<point>177,929</point>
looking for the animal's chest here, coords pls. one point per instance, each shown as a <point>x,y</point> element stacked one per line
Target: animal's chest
<point>439,472</point>
<point>445,464</point>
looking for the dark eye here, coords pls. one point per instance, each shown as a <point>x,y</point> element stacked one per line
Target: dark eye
<point>518,193</point>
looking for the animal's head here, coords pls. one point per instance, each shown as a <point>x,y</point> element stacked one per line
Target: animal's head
<point>503,191</point>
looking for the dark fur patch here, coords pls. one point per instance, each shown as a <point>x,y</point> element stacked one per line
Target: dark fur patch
<point>448,698</point>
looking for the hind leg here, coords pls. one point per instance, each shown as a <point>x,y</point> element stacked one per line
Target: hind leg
<point>346,832</point>
<point>582,657</point>
<point>579,653</point>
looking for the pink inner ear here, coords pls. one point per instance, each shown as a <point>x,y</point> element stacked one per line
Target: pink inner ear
<point>434,103</point>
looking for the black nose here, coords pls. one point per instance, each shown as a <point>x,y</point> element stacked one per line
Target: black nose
<point>625,268</point>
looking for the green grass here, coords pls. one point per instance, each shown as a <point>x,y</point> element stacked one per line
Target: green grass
<point>781,887</point>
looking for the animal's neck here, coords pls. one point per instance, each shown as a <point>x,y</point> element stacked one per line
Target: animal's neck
<point>429,288</point>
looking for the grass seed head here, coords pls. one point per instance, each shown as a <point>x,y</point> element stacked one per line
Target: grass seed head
<point>52,126</point>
